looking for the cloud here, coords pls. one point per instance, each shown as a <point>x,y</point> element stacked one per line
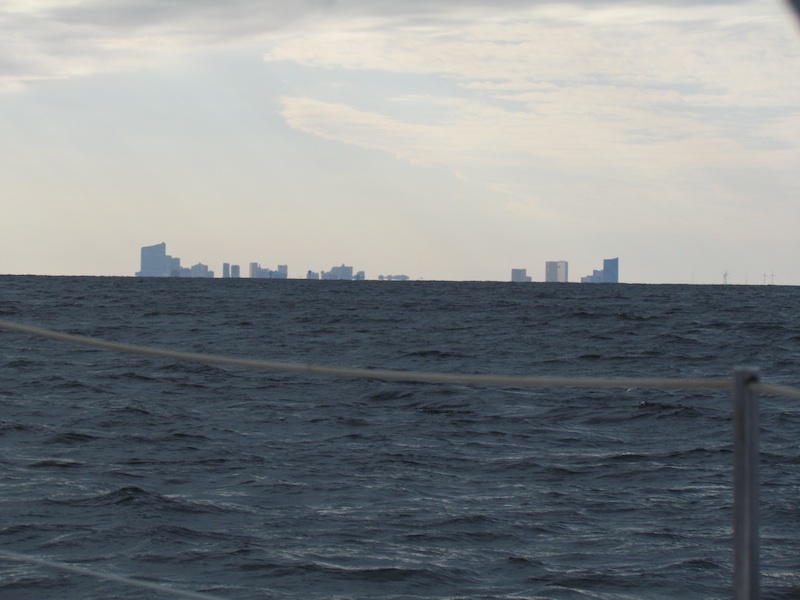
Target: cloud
<point>608,85</point>
<point>583,89</point>
<point>637,45</point>
<point>619,118</point>
<point>645,84</point>
<point>45,40</point>
<point>49,39</point>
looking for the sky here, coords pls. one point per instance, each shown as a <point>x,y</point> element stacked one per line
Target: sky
<point>440,139</point>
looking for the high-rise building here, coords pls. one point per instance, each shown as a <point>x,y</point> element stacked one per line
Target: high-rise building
<point>155,262</point>
<point>235,271</point>
<point>174,268</point>
<point>611,270</point>
<point>226,270</point>
<point>557,271</point>
<point>520,275</point>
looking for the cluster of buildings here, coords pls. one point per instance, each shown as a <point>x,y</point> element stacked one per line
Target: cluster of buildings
<point>557,271</point>
<point>609,273</point>
<point>157,263</point>
<point>256,272</point>
<point>230,271</point>
<point>342,273</point>
<point>393,278</point>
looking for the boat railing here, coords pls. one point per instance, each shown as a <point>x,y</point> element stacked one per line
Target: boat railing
<point>744,385</point>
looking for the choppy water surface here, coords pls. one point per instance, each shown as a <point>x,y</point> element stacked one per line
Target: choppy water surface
<point>262,485</point>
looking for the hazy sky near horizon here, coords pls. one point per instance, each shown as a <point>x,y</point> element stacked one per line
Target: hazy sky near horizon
<point>442,139</point>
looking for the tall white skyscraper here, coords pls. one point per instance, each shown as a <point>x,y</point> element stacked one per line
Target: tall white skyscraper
<point>557,271</point>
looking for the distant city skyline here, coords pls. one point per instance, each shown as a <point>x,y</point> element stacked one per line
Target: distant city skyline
<point>155,262</point>
<point>444,140</point>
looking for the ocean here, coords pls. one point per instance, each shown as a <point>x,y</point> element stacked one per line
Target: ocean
<point>253,484</point>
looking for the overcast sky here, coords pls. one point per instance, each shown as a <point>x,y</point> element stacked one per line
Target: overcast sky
<point>448,139</point>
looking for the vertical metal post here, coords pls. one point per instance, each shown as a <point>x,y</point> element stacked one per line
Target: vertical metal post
<point>745,485</point>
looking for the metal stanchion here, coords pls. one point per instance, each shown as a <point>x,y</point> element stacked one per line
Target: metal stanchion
<point>745,485</point>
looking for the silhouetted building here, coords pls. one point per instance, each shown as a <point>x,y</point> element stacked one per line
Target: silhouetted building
<point>226,270</point>
<point>256,272</point>
<point>556,271</point>
<point>609,274</point>
<point>520,275</point>
<point>200,270</point>
<point>393,278</point>
<point>155,262</point>
<point>611,270</point>
<point>312,275</point>
<point>343,273</point>
<point>235,271</point>
<point>595,277</point>
<point>174,267</point>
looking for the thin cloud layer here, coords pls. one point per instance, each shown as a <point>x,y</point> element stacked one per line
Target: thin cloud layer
<point>47,39</point>
<point>542,85</point>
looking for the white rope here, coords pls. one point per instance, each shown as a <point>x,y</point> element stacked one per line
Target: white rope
<point>776,390</point>
<point>107,576</point>
<point>383,374</point>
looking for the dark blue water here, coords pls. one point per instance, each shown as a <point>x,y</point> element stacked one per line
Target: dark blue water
<point>250,484</point>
